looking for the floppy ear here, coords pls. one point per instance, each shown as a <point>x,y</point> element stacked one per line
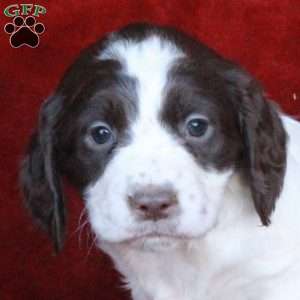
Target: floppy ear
<point>39,176</point>
<point>264,140</point>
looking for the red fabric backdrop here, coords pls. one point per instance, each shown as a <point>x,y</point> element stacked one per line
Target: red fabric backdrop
<point>264,36</point>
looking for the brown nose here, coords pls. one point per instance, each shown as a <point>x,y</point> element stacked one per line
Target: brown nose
<point>154,203</point>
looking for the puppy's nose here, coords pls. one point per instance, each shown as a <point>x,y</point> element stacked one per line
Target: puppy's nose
<point>154,203</point>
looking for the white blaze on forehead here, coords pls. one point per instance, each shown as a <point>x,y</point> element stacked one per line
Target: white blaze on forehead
<point>148,61</point>
<point>152,146</point>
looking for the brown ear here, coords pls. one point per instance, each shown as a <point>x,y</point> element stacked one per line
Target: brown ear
<point>39,176</point>
<point>264,141</point>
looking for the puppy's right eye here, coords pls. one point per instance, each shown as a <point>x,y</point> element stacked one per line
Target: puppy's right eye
<point>101,134</point>
<point>197,127</point>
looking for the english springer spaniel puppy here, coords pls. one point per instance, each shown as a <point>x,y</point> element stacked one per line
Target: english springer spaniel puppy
<point>190,176</point>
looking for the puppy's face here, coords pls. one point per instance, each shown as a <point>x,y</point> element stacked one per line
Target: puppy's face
<point>150,125</point>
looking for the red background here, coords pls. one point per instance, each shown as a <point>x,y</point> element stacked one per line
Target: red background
<point>263,36</point>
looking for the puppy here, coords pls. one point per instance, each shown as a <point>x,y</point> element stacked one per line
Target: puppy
<point>181,162</point>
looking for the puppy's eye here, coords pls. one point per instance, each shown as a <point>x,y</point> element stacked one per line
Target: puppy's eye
<point>101,134</point>
<point>196,127</point>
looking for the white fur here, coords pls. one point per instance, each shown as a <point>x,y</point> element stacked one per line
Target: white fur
<point>222,251</point>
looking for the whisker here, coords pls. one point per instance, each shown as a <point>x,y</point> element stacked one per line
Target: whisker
<point>82,214</point>
<point>81,229</point>
<point>91,247</point>
<point>81,226</point>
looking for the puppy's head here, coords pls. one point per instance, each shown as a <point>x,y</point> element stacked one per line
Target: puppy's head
<point>149,125</point>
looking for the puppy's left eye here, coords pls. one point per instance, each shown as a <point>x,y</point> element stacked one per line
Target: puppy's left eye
<point>196,127</point>
<point>101,134</point>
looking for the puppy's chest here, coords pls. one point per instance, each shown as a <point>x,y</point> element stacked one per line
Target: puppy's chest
<point>169,276</point>
<point>166,276</point>
<point>186,283</point>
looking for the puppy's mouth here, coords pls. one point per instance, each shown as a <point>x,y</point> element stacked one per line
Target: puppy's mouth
<point>155,241</point>
<point>152,230</point>
<point>157,236</point>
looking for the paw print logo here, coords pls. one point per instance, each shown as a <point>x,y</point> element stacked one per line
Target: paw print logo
<point>24,32</point>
